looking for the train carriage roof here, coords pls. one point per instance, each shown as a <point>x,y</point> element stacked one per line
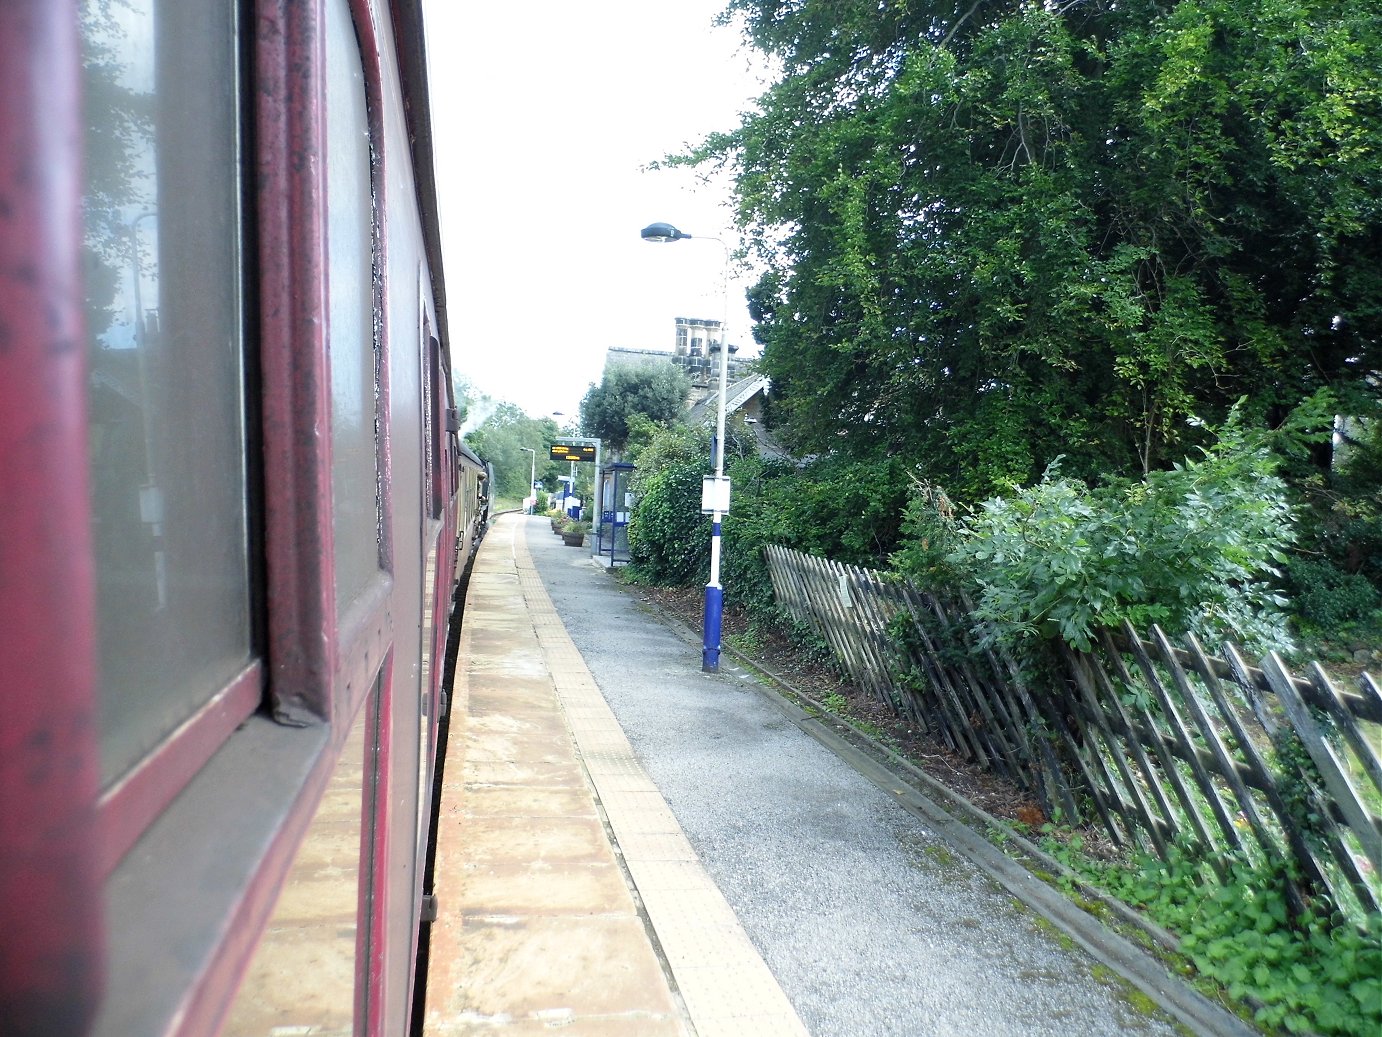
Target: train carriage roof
<point>411,44</point>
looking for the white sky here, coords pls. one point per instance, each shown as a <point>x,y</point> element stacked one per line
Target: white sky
<point>544,112</point>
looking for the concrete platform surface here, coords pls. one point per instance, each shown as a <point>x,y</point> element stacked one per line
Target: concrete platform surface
<point>569,900</point>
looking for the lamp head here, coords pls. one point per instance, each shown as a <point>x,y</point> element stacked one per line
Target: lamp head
<point>661,232</point>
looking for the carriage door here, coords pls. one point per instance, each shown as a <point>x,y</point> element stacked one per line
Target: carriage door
<point>432,494</point>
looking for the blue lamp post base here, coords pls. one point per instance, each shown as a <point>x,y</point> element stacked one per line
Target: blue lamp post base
<point>710,651</point>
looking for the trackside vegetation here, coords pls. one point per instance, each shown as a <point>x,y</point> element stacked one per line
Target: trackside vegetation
<point>1196,547</point>
<point>1075,308</point>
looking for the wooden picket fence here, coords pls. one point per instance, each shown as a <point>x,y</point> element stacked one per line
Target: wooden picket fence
<point>1160,744</point>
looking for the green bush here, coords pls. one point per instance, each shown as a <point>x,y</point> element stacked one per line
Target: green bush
<point>1327,598</point>
<point>841,509</point>
<point>930,539</point>
<point>837,507</point>
<point>669,538</point>
<point>1194,549</point>
<point>1337,580</point>
<point>1312,971</point>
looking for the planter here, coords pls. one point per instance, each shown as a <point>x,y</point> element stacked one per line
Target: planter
<point>573,539</point>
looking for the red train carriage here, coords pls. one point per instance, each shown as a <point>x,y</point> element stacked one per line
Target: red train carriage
<point>233,498</point>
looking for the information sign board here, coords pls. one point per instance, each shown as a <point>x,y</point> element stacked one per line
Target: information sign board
<point>714,495</point>
<point>572,452</point>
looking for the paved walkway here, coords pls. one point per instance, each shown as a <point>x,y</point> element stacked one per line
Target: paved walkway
<point>629,846</point>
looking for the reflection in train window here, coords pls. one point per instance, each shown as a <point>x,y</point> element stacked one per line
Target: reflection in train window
<point>165,346</point>
<point>315,919</point>
<point>350,237</point>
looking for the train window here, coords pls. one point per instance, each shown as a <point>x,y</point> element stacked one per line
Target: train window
<point>350,202</point>
<point>434,422</point>
<point>165,345</point>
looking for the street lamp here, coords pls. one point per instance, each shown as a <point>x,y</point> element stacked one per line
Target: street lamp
<point>532,478</point>
<point>719,504</point>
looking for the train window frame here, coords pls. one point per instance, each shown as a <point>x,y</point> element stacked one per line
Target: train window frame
<point>51,926</point>
<point>130,800</point>
<point>435,370</point>
<point>205,872</point>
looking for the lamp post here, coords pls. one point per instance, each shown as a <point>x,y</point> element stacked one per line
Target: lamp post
<point>532,477</point>
<point>133,228</point>
<point>719,504</point>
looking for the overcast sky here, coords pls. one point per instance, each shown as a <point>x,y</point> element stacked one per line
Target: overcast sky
<point>544,114</point>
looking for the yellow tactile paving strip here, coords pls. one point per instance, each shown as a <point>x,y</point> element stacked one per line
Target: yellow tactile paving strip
<point>534,932</point>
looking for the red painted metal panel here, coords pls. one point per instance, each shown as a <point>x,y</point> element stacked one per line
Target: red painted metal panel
<point>388,964</point>
<point>366,636</point>
<point>370,64</point>
<point>50,913</point>
<point>377,846</point>
<point>293,364</point>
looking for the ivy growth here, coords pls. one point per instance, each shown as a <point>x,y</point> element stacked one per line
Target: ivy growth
<point>1316,972</point>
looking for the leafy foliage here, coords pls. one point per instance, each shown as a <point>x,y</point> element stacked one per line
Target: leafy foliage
<point>930,538</point>
<point>1328,598</point>
<point>1313,972</point>
<point>1335,579</point>
<point>611,409</point>
<point>997,234</point>
<point>1193,548</point>
<point>669,538</point>
<point>503,439</point>
<point>837,506</point>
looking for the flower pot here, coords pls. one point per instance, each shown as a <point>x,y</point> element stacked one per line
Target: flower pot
<point>573,539</point>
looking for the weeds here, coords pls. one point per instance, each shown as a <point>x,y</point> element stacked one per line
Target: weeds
<point>1312,972</point>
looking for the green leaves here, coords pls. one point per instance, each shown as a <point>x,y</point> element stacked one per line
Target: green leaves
<point>612,409</point>
<point>503,436</point>
<point>1193,549</point>
<point>669,538</point>
<point>993,236</point>
<point>1301,973</point>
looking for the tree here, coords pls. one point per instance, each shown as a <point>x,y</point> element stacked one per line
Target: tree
<point>998,233</point>
<point>657,394</point>
<point>503,439</point>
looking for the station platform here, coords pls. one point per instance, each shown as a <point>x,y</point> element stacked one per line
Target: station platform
<point>569,899</point>
<point>629,846</point>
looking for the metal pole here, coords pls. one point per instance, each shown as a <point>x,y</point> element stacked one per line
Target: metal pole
<point>532,478</point>
<point>714,593</point>
<point>598,487</point>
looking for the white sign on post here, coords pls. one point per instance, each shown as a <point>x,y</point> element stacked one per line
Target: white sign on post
<point>714,495</point>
